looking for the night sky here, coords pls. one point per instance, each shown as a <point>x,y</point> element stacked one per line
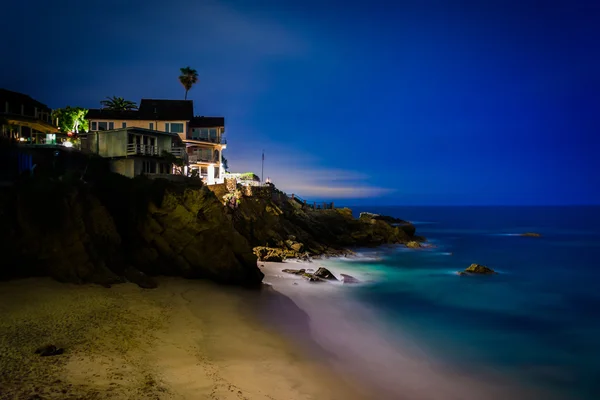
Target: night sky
<point>371,102</point>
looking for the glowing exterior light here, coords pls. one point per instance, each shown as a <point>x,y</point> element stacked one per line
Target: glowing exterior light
<point>68,144</point>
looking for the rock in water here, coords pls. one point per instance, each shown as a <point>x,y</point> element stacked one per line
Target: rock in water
<point>349,279</point>
<point>413,245</point>
<point>294,271</point>
<point>312,277</point>
<point>477,269</point>
<point>530,234</point>
<point>324,273</point>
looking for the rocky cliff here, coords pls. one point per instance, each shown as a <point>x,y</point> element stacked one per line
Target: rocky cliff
<point>117,229</point>
<point>283,228</point>
<point>111,229</point>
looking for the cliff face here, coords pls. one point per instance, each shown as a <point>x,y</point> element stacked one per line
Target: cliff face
<point>286,225</point>
<point>113,229</point>
<point>119,228</point>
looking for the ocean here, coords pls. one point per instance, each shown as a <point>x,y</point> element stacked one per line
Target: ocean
<point>537,321</point>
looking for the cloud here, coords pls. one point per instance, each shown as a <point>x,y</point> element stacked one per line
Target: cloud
<point>305,175</point>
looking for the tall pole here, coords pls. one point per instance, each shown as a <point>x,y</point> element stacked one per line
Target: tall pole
<point>262,171</point>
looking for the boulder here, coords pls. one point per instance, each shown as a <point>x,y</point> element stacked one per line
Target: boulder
<point>349,279</point>
<point>324,273</point>
<point>530,234</point>
<point>312,277</point>
<point>294,271</point>
<point>297,247</point>
<point>271,254</point>
<point>138,277</point>
<point>49,350</point>
<point>477,269</point>
<point>413,245</point>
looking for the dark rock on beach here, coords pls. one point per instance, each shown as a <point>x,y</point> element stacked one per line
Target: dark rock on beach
<point>49,350</point>
<point>294,271</point>
<point>324,273</point>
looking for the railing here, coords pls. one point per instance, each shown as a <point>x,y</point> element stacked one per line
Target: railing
<point>142,149</point>
<point>218,140</point>
<point>196,158</point>
<point>313,205</point>
<point>178,151</point>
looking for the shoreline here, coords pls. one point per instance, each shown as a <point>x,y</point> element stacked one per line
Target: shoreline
<point>363,348</point>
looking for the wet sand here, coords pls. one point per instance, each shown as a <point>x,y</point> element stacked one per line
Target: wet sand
<point>184,340</point>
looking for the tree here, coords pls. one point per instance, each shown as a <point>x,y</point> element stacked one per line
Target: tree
<point>118,104</point>
<point>188,78</point>
<point>178,163</point>
<point>71,119</point>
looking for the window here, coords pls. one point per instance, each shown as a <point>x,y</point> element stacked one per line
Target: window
<point>94,126</point>
<point>111,125</point>
<point>166,127</point>
<point>204,133</point>
<point>102,126</point>
<point>151,126</point>
<point>175,128</point>
<point>213,134</point>
<point>124,124</point>
<point>216,172</point>
<point>149,167</point>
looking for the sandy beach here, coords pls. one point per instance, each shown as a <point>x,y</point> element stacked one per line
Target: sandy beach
<point>293,340</point>
<point>184,340</point>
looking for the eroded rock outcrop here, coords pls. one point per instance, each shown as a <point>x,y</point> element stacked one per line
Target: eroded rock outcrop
<point>298,232</point>
<point>477,269</point>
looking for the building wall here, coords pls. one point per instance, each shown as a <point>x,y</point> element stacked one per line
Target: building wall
<point>133,123</point>
<point>113,144</point>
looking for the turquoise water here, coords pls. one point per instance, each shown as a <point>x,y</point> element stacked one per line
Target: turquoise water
<point>537,321</point>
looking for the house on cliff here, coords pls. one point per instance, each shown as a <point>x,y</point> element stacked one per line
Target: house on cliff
<point>143,134</point>
<point>25,119</point>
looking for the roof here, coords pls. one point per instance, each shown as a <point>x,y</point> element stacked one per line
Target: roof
<point>16,97</point>
<point>105,113</point>
<point>31,122</point>
<point>167,109</point>
<point>149,110</point>
<point>207,122</point>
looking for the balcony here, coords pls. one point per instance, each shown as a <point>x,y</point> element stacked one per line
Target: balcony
<point>215,140</point>
<point>142,149</point>
<point>178,152</point>
<point>194,158</point>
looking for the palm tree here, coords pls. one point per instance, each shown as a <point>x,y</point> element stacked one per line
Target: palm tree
<point>118,104</point>
<point>188,78</point>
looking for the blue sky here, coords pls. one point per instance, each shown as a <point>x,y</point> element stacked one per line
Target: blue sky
<point>373,102</point>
